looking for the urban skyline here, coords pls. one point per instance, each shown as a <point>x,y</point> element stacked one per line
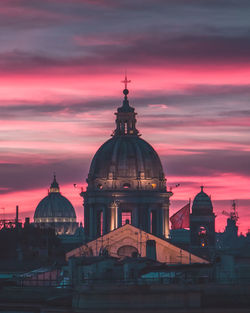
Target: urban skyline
<point>61,65</point>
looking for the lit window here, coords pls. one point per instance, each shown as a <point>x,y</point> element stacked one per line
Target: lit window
<point>153,186</point>
<point>126,185</point>
<point>126,217</point>
<point>202,231</point>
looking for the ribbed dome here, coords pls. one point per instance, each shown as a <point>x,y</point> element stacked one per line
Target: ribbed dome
<point>54,205</point>
<point>202,203</point>
<point>126,156</point>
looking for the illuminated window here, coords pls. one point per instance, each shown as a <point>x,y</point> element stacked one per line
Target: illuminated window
<point>126,217</point>
<point>126,185</point>
<point>153,186</point>
<point>202,231</point>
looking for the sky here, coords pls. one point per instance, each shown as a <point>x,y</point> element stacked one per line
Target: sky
<point>61,66</point>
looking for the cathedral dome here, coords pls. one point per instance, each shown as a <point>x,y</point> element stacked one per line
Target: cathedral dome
<point>126,156</point>
<point>126,161</point>
<point>202,204</point>
<point>54,207</point>
<point>126,182</point>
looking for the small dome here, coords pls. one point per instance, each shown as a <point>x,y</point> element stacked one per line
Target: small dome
<point>54,205</point>
<point>202,204</point>
<point>126,157</point>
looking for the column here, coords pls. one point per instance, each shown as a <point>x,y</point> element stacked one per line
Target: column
<point>149,220</point>
<point>91,222</point>
<point>113,216</point>
<point>104,219</point>
<point>160,221</point>
<point>165,220</point>
<point>135,215</point>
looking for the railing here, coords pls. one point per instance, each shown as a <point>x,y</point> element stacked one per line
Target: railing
<point>178,280</point>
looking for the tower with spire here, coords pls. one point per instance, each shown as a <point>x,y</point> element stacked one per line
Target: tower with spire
<point>126,182</point>
<point>202,225</point>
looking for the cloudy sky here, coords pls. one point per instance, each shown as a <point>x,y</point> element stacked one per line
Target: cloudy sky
<point>61,66</point>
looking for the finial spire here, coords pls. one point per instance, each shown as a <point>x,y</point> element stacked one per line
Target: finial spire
<point>202,187</point>
<point>54,187</point>
<point>126,81</point>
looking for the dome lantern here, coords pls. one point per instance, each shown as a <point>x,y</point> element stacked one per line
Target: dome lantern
<point>54,187</point>
<point>125,116</point>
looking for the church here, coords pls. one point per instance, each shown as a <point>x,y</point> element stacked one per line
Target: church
<point>126,203</point>
<point>126,182</point>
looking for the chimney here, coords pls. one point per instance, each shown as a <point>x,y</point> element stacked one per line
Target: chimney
<point>151,249</point>
<point>17,215</point>
<point>27,222</point>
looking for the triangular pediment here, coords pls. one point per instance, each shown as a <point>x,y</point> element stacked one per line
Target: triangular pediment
<point>131,236</point>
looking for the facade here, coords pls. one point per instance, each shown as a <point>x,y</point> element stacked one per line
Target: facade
<point>129,241</point>
<point>56,211</point>
<point>126,182</point>
<point>202,225</point>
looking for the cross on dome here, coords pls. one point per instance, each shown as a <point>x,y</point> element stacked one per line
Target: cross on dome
<point>126,82</point>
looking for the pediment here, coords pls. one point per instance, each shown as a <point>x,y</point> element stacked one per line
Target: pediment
<point>129,235</point>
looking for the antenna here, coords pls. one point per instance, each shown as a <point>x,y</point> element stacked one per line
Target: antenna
<point>233,215</point>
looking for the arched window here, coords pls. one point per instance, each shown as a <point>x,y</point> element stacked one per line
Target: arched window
<point>203,237</point>
<point>127,251</point>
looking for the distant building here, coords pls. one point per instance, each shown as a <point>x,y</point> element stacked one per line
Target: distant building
<point>202,225</point>
<point>55,211</point>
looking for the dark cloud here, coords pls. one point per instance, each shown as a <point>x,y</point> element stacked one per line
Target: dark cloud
<point>28,176</point>
<point>208,163</point>
<point>198,98</point>
<point>151,50</point>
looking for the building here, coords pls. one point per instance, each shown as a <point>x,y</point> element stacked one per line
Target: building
<point>130,241</point>
<point>126,182</point>
<point>55,211</point>
<point>202,225</point>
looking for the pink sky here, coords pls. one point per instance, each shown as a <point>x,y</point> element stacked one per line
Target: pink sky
<point>61,65</point>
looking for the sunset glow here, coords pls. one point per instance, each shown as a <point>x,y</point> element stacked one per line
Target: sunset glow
<point>61,66</point>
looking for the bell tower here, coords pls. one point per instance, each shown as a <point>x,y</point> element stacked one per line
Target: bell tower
<point>202,225</point>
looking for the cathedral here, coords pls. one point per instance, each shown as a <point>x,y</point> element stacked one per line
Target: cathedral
<point>126,182</point>
<point>126,202</point>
